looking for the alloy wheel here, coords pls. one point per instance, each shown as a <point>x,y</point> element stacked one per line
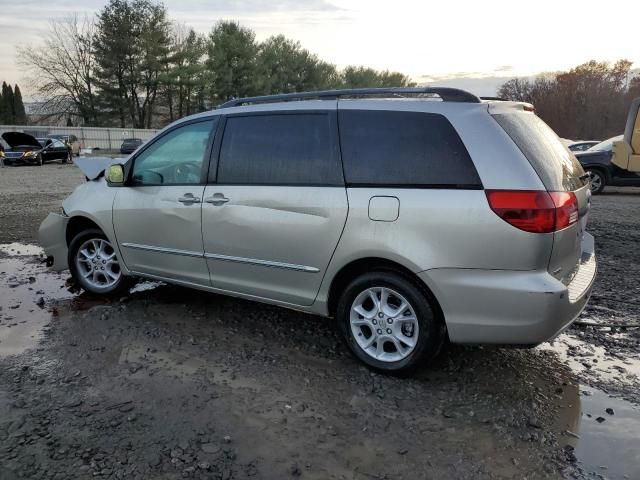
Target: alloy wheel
<point>384,324</point>
<point>97,264</point>
<point>596,181</point>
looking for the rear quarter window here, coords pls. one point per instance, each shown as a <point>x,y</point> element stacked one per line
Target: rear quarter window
<point>554,163</point>
<point>403,149</point>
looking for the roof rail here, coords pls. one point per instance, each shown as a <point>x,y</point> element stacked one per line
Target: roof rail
<point>445,93</point>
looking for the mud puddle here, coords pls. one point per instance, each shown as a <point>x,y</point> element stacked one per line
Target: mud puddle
<point>21,249</point>
<point>595,360</point>
<point>602,433</point>
<point>600,430</point>
<point>31,297</point>
<point>28,302</point>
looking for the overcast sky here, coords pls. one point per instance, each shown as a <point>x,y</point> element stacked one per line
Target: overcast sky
<point>444,41</point>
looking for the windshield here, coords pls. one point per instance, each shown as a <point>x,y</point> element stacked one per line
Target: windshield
<point>605,146</point>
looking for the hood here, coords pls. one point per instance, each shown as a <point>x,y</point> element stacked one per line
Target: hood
<point>18,139</point>
<point>92,167</point>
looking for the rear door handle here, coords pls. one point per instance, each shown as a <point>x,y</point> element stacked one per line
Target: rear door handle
<point>217,199</point>
<point>189,199</point>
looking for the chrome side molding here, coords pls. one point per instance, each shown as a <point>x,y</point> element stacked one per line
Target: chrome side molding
<point>173,251</point>
<point>264,263</point>
<point>226,258</point>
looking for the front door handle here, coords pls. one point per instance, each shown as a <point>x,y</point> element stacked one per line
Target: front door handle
<point>189,199</point>
<point>217,199</point>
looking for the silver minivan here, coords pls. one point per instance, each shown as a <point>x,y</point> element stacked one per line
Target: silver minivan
<point>412,216</point>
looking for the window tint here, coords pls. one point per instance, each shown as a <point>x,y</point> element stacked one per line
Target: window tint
<point>175,158</point>
<point>554,163</point>
<point>279,149</point>
<point>403,148</point>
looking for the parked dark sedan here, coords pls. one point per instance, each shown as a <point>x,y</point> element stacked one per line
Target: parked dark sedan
<point>129,145</point>
<point>583,146</point>
<point>27,150</point>
<point>597,161</point>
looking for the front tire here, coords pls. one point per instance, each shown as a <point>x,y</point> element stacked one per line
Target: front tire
<point>67,159</point>
<point>389,322</point>
<point>94,265</point>
<point>598,181</point>
<point>39,160</point>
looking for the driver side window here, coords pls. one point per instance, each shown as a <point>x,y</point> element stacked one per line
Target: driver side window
<point>176,158</point>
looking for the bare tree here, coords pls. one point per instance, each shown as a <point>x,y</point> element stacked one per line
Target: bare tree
<point>589,101</point>
<point>61,70</point>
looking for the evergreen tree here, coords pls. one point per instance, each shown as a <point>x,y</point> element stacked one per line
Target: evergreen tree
<point>232,63</point>
<point>131,50</point>
<point>287,67</point>
<point>6,108</point>
<point>18,107</point>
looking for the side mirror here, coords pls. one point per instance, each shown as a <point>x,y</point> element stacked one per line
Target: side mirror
<point>115,174</point>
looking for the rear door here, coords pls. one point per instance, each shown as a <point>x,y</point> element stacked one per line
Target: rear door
<point>273,215</point>
<point>559,171</point>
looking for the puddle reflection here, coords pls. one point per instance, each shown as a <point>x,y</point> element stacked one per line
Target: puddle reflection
<point>603,432</point>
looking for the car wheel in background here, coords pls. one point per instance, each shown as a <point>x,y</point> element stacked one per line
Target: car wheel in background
<point>94,264</point>
<point>598,180</point>
<point>39,160</point>
<point>67,159</point>
<point>389,322</point>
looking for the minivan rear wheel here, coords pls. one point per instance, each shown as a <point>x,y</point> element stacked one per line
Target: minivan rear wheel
<point>94,264</point>
<point>389,322</point>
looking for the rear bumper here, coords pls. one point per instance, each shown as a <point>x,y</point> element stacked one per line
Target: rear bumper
<point>511,307</point>
<point>52,237</point>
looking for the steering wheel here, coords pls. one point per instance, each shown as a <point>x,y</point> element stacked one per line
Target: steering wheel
<point>187,172</point>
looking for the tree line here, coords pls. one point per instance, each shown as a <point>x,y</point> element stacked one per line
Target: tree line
<point>587,102</point>
<point>11,106</point>
<point>130,66</point>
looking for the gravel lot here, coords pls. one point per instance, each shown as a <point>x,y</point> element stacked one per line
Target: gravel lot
<point>170,383</point>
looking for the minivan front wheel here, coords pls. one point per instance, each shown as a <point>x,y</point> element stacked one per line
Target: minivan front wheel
<point>94,264</point>
<point>388,322</point>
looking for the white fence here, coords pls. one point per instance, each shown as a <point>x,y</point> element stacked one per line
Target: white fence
<point>89,137</point>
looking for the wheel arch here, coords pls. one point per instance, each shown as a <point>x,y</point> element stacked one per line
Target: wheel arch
<point>78,224</point>
<point>368,264</point>
<point>601,168</point>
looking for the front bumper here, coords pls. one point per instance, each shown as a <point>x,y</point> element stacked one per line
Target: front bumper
<point>52,236</point>
<point>511,307</point>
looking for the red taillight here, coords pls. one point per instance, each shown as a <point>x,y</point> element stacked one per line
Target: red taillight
<point>535,211</point>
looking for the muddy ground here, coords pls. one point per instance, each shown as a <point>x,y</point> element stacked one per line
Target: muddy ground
<point>169,383</point>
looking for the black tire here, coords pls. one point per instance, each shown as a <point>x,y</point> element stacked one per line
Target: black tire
<point>121,286</point>
<point>67,159</point>
<point>431,329</point>
<point>39,160</point>
<point>598,180</point>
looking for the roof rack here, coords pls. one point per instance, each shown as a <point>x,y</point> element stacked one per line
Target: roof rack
<point>445,93</point>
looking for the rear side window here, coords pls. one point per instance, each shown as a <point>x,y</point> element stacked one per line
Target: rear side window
<point>279,149</point>
<point>403,149</point>
<point>556,166</point>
